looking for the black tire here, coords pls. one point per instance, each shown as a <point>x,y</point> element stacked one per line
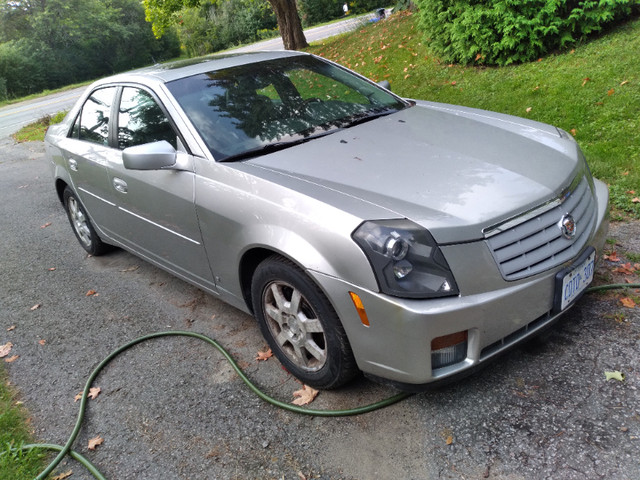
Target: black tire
<point>305,335</point>
<point>81,225</point>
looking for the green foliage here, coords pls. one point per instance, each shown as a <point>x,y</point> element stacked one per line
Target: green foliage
<point>217,25</point>
<point>501,32</point>
<point>313,12</point>
<point>67,41</point>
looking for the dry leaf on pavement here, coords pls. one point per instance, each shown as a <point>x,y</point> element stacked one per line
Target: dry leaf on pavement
<point>5,349</point>
<point>628,302</point>
<point>12,358</point>
<point>64,475</point>
<point>305,395</point>
<point>264,356</point>
<point>94,442</point>
<point>93,393</point>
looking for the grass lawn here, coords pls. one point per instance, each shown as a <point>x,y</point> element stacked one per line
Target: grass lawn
<point>14,431</point>
<point>592,91</point>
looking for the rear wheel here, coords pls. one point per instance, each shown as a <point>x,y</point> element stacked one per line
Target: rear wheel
<point>301,326</point>
<point>82,227</point>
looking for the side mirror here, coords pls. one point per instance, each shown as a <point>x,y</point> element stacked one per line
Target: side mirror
<point>149,156</point>
<point>385,84</point>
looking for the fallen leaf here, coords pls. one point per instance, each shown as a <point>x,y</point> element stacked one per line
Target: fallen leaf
<point>631,192</point>
<point>91,293</point>
<point>264,356</point>
<point>64,475</point>
<point>12,327</point>
<point>611,92</point>
<point>614,375</point>
<point>584,82</point>
<point>635,200</point>
<point>454,83</point>
<point>573,132</point>
<point>305,395</point>
<point>529,109</point>
<point>612,257</point>
<point>93,393</point>
<point>130,269</point>
<point>624,82</point>
<point>628,302</point>
<point>5,349</point>
<point>12,359</point>
<point>52,269</point>
<point>94,442</point>
<point>42,342</point>
<point>449,440</point>
<point>48,224</point>
<point>625,269</point>
<point>35,307</point>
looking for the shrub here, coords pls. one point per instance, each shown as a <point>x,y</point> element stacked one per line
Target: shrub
<point>313,12</point>
<point>500,32</point>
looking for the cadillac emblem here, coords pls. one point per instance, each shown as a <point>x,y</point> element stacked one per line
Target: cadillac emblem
<point>567,226</point>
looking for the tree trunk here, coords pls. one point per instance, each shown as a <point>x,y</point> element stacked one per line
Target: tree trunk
<point>289,24</point>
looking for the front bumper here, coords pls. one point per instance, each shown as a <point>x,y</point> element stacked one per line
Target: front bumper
<point>495,313</point>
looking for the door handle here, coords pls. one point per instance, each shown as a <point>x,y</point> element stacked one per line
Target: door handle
<point>73,164</point>
<point>120,185</point>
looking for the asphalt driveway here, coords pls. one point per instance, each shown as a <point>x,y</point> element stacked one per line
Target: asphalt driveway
<point>173,408</point>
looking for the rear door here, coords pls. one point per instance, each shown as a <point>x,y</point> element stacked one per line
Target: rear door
<point>87,150</point>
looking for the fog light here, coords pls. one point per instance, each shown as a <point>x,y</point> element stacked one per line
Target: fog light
<point>448,349</point>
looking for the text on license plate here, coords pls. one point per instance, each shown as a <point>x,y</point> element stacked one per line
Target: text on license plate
<point>575,281</point>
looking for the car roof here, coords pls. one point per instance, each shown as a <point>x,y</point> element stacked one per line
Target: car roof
<point>167,72</point>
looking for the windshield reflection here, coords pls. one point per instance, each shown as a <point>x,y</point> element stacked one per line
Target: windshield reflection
<point>250,108</point>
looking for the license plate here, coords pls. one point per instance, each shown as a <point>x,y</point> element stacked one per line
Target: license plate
<point>573,281</point>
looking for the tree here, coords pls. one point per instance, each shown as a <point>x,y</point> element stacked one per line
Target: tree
<point>161,14</point>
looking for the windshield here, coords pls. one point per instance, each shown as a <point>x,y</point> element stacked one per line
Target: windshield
<point>263,106</point>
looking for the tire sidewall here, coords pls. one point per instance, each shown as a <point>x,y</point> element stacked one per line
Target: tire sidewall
<point>96,247</point>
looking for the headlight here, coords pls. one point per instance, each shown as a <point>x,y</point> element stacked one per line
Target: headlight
<point>406,259</point>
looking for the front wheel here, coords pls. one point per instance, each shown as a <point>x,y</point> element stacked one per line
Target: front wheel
<point>300,325</point>
<point>82,227</point>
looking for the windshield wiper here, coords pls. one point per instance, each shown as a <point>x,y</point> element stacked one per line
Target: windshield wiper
<point>359,118</point>
<point>273,147</point>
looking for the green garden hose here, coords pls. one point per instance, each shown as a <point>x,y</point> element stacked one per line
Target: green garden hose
<point>66,449</point>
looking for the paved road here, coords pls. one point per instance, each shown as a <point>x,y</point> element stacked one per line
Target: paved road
<point>172,408</point>
<point>14,117</point>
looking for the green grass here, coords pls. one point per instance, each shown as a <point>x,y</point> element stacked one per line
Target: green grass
<point>14,431</point>
<point>34,132</point>
<point>592,91</point>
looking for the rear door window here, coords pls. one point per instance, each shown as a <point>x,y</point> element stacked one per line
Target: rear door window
<point>92,125</point>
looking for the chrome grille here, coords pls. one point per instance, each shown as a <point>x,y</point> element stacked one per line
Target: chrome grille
<point>536,244</point>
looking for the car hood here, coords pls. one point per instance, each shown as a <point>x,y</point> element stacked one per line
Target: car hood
<point>450,169</point>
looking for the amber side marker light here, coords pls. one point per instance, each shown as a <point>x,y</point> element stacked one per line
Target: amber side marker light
<point>448,349</point>
<point>360,308</point>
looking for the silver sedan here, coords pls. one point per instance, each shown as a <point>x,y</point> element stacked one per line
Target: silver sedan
<point>408,240</point>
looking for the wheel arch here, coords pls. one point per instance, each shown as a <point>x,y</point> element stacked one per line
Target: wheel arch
<point>60,186</point>
<point>249,263</point>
